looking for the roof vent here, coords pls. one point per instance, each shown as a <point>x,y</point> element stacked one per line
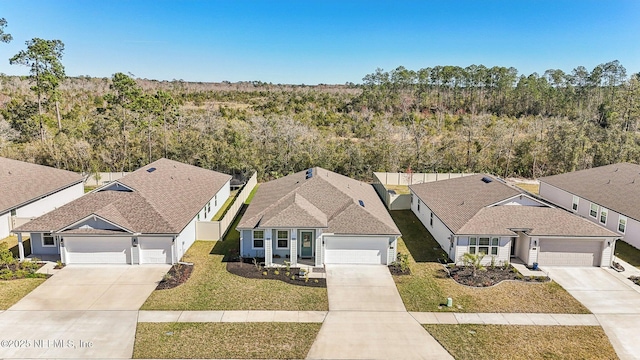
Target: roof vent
<point>150,170</point>
<point>309,174</point>
<point>361,203</point>
<point>487,179</point>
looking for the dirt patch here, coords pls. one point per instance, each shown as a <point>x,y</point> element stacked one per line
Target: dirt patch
<point>292,276</point>
<point>398,270</point>
<point>177,275</point>
<point>490,276</point>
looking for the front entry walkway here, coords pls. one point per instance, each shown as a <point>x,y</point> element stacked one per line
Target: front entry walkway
<point>613,299</point>
<point>367,319</point>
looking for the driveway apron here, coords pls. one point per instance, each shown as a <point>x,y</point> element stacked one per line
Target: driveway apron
<point>80,312</point>
<point>367,319</point>
<point>612,298</point>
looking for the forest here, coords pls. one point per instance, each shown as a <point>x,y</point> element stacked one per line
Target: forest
<point>434,119</point>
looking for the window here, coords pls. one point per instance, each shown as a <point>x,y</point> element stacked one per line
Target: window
<point>198,216</point>
<point>603,216</point>
<point>622,223</point>
<point>418,205</point>
<point>411,199</point>
<point>209,206</point>
<point>13,212</point>
<point>215,201</point>
<point>258,239</point>
<point>283,238</point>
<point>594,210</point>
<point>485,245</point>
<point>431,220</point>
<point>47,240</point>
<point>574,204</point>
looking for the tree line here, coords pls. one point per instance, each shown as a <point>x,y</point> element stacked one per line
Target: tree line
<point>438,119</point>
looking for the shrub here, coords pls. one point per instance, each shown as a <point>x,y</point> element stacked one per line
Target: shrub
<point>6,256</point>
<point>474,261</point>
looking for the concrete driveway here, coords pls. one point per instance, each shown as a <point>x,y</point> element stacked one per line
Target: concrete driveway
<point>367,319</point>
<point>614,300</point>
<point>80,312</point>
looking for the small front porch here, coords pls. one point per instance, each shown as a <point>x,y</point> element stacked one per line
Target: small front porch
<point>309,265</point>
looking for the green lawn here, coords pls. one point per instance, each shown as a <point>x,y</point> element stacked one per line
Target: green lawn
<point>211,287</point>
<point>224,340</point>
<point>627,253</point>
<point>11,291</point>
<point>511,342</point>
<point>223,210</point>
<point>428,287</point>
<point>252,194</point>
<point>12,243</point>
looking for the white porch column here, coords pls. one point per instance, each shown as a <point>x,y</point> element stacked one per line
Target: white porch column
<point>268,248</point>
<point>293,248</point>
<point>20,247</point>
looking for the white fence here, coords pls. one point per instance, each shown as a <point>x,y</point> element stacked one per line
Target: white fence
<point>395,201</point>
<point>101,178</point>
<point>215,230</point>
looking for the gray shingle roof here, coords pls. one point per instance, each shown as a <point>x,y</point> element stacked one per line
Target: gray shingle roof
<point>326,200</point>
<point>22,182</point>
<point>456,201</point>
<point>542,221</point>
<point>616,187</point>
<point>162,202</point>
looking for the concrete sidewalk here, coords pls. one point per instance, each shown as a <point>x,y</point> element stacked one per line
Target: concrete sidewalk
<point>232,316</point>
<point>505,318</point>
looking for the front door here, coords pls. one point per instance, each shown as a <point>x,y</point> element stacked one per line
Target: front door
<point>306,244</point>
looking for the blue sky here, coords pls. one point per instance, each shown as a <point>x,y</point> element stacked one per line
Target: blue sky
<point>326,41</point>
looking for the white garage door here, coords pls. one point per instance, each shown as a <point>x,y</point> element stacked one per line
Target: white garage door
<point>355,250</point>
<point>100,250</point>
<point>570,252</point>
<point>155,250</point>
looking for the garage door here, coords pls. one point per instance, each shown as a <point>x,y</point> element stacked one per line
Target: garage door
<point>155,250</point>
<point>355,250</point>
<point>569,252</point>
<point>103,250</point>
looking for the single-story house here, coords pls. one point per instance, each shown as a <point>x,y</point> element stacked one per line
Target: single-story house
<point>148,216</point>
<point>482,214</point>
<point>29,190</point>
<point>606,195</point>
<point>320,216</point>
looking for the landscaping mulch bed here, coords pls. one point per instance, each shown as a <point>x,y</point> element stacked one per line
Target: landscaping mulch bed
<point>177,275</point>
<point>250,271</point>
<point>397,270</point>
<point>24,270</point>
<point>490,276</point>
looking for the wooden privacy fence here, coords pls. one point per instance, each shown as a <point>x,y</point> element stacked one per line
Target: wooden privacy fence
<point>395,201</point>
<point>215,230</point>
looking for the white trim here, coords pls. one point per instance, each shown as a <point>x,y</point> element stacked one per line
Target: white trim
<point>520,196</point>
<point>575,201</point>
<point>626,223</point>
<point>591,208</point>
<point>253,240</point>
<point>604,211</point>
<point>49,236</point>
<point>92,216</point>
<point>288,239</point>
<point>108,185</point>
